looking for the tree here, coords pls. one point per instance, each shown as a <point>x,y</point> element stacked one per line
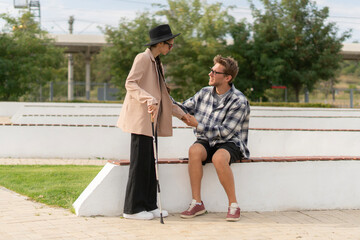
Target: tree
<point>28,59</point>
<point>187,65</point>
<point>204,30</point>
<point>294,44</point>
<point>127,40</point>
<point>242,50</point>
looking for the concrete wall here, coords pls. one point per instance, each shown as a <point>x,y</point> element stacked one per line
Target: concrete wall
<point>112,143</point>
<point>81,142</point>
<point>261,117</point>
<point>264,186</point>
<point>8,109</point>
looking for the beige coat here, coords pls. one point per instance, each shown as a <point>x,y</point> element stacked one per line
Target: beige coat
<point>142,86</point>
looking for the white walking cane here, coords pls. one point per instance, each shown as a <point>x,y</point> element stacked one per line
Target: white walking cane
<point>156,167</point>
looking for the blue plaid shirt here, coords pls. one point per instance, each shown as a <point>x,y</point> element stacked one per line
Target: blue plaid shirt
<point>220,122</point>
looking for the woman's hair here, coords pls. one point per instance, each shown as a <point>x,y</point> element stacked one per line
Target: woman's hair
<point>230,65</point>
<point>160,68</point>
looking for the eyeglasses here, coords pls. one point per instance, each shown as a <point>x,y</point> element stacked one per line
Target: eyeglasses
<point>169,44</point>
<point>215,72</point>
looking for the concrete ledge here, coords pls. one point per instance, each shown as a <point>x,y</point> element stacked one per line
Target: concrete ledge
<point>124,162</point>
<point>109,142</point>
<point>263,184</point>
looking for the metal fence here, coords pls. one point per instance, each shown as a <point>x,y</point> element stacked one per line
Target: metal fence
<point>338,97</point>
<point>58,91</point>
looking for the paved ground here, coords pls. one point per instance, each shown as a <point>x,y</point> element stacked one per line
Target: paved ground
<point>21,219</point>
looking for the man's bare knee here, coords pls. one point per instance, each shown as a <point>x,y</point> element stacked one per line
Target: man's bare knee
<point>197,152</point>
<point>221,158</point>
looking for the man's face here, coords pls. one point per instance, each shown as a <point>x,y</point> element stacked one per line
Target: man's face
<point>217,76</point>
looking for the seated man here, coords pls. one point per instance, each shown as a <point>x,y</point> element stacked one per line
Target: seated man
<point>221,119</point>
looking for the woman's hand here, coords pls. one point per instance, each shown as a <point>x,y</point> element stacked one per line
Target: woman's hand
<point>152,109</point>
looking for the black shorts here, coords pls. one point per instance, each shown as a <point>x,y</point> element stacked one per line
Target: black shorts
<point>234,151</point>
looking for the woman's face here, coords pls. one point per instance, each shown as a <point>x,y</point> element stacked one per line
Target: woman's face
<point>166,46</point>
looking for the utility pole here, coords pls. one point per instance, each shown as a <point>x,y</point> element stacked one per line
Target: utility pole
<point>34,8</point>
<point>71,23</point>
<point>71,65</point>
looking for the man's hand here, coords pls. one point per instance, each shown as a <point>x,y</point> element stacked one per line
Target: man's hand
<point>186,118</point>
<point>190,120</point>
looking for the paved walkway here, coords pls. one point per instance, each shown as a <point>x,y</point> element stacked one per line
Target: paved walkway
<point>22,219</point>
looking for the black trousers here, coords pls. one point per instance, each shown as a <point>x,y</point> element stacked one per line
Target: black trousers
<point>141,186</point>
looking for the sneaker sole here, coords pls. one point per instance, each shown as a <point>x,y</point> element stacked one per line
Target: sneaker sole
<point>136,218</point>
<point>232,219</point>
<point>196,214</point>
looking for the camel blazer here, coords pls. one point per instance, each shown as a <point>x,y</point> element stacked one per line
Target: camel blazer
<point>143,89</point>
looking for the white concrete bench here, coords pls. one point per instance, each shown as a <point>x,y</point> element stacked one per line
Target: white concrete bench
<point>305,118</point>
<point>109,142</point>
<point>56,113</point>
<point>262,184</point>
<point>290,111</point>
<point>305,122</point>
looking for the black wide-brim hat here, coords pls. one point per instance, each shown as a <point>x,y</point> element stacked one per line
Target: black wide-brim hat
<point>160,33</point>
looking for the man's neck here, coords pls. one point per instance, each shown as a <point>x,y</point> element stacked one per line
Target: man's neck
<point>222,89</point>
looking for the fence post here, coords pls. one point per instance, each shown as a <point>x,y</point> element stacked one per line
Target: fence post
<point>40,94</point>
<point>306,95</point>
<point>351,98</point>
<point>105,91</point>
<point>51,91</point>
<point>285,94</point>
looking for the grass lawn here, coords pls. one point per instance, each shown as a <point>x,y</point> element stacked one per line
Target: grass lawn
<point>53,185</point>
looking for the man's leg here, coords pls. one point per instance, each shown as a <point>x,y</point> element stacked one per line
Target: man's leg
<point>221,160</point>
<point>197,154</point>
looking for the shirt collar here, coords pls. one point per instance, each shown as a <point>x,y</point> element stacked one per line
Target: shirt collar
<point>148,51</point>
<point>229,92</point>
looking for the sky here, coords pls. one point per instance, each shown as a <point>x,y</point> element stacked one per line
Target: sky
<point>91,14</point>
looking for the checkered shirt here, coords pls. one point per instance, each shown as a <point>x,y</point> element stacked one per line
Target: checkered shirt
<point>220,122</point>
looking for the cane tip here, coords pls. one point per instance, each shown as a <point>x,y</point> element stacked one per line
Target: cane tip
<point>161,219</point>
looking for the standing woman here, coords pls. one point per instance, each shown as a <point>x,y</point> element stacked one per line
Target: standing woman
<point>147,94</point>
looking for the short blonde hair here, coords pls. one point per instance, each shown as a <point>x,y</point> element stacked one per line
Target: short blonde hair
<point>230,65</point>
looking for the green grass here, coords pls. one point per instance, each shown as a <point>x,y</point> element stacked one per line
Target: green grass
<point>50,184</point>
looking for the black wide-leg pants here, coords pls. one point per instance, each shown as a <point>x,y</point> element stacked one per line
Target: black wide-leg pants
<point>141,186</point>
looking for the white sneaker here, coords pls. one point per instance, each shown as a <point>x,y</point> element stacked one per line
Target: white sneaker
<point>156,213</point>
<point>144,215</point>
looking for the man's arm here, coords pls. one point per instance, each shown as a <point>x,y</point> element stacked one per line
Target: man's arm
<point>189,105</point>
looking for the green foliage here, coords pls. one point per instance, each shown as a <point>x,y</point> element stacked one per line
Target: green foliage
<point>242,50</point>
<point>128,40</point>
<point>52,185</point>
<point>188,64</point>
<point>350,68</point>
<point>290,43</point>
<point>27,57</point>
<point>294,45</point>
